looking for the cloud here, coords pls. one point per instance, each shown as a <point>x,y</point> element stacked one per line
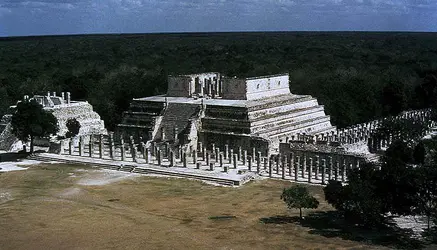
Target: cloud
<point>90,16</point>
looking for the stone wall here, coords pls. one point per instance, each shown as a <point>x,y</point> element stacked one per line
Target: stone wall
<point>234,89</point>
<point>266,87</point>
<point>195,84</point>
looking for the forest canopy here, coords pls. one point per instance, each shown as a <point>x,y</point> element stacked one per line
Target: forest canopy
<point>358,76</point>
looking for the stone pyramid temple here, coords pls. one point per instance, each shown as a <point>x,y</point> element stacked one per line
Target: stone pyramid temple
<point>63,108</point>
<point>210,108</point>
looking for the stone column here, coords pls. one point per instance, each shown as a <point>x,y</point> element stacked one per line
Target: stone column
<point>200,147</point>
<point>296,168</point>
<point>244,157</point>
<point>323,171</point>
<point>337,169</point>
<point>226,151</point>
<point>258,163</point>
<point>123,150</point>
<point>70,146</point>
<point>240,153</point>
<point>304,165</point>
<point>310,169</point>
<point>249,161</point>
<point>61,149</point>
<point>166,150</point>
<point>277,161</point>
<point>217,153</point>
<point>270,167</point>
<point>145,153</point>
<point>343,171</point>
<point>171,159</point>
<point>284,165</point>
<point>194,157</point>
<point>100,146</point>
<point>90,147</point>
<point>234,160</point>
<point>204,154</point>
<point>265,163</point>
<point>152,149</point>
<point>159,157</point>
<point>330,167</point>
<point>253,154</point>
<point>178,152</point>
<point>134,153</point>
<point>317,167</point>
<point>80,145</point>
<point>111,146</point>
<point>184,159</point>
<point>208,159</point>
<point>221,160</point>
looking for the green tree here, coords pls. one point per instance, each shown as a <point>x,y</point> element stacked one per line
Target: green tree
<point>359,200</point>
<point>73,126</point>
<point>30,120</point>
<point>298,197</point>
<point>426,199</point>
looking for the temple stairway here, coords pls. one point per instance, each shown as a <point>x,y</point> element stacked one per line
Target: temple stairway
<point>177,115</point>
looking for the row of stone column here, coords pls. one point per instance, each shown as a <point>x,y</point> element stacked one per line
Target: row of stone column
<point>296,166</point>
<point>356,133</point>
<point>310,168</point>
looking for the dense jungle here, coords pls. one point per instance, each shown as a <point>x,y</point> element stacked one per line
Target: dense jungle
<point>358,76</point>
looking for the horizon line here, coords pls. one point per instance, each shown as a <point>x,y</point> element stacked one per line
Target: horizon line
<point>213,32</point>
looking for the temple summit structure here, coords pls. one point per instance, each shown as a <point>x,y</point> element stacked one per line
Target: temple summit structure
<point>209,108</point>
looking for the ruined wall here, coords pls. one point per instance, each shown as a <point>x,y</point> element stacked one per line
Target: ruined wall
<point>234,89</point>
<point>180,86</point>
<point>83,112</point>
<point>263,87</point>
<point>187,85</point>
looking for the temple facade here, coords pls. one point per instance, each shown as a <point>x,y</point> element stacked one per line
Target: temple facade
<point>210,108</point>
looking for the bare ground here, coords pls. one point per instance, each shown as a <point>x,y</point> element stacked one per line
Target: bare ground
<point>56,206</point>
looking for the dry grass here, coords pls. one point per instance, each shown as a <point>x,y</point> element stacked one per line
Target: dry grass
<point>47,209</point>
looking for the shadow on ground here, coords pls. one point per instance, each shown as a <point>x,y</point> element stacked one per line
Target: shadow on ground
<point>12,156</point>
<point>331,224</point>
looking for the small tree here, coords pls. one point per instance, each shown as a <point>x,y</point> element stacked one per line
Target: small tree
<point>73,126</point>
<point>30,120</point>
<point>298,197</point>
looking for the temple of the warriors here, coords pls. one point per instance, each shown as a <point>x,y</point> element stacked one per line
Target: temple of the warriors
<point>63,108</point>
<point>209,108</point>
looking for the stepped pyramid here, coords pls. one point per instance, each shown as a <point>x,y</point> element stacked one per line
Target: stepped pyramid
<point>210,108</point>
<point>63,108</point>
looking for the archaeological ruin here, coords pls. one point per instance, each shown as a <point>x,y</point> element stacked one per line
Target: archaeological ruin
<point>219,129</point>
<point>63,108</point>
<point>207,108</point>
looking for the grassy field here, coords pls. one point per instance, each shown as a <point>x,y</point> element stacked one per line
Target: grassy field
<point>55,207</point>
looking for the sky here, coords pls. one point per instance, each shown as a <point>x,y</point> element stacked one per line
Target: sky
<point>55,17</point>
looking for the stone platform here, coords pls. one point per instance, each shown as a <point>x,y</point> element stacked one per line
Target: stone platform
<point>231,178</point>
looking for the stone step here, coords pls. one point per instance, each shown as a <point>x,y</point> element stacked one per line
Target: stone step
<point>278,101</point>
<point>306,103</point>
<point>294,128</point>
<point>288,113</point>
<point>280,121</point>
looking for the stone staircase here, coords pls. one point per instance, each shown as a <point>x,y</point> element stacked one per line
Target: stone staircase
<point>177,115</point>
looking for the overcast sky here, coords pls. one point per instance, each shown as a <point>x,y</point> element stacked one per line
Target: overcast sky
<point>47,17</point>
